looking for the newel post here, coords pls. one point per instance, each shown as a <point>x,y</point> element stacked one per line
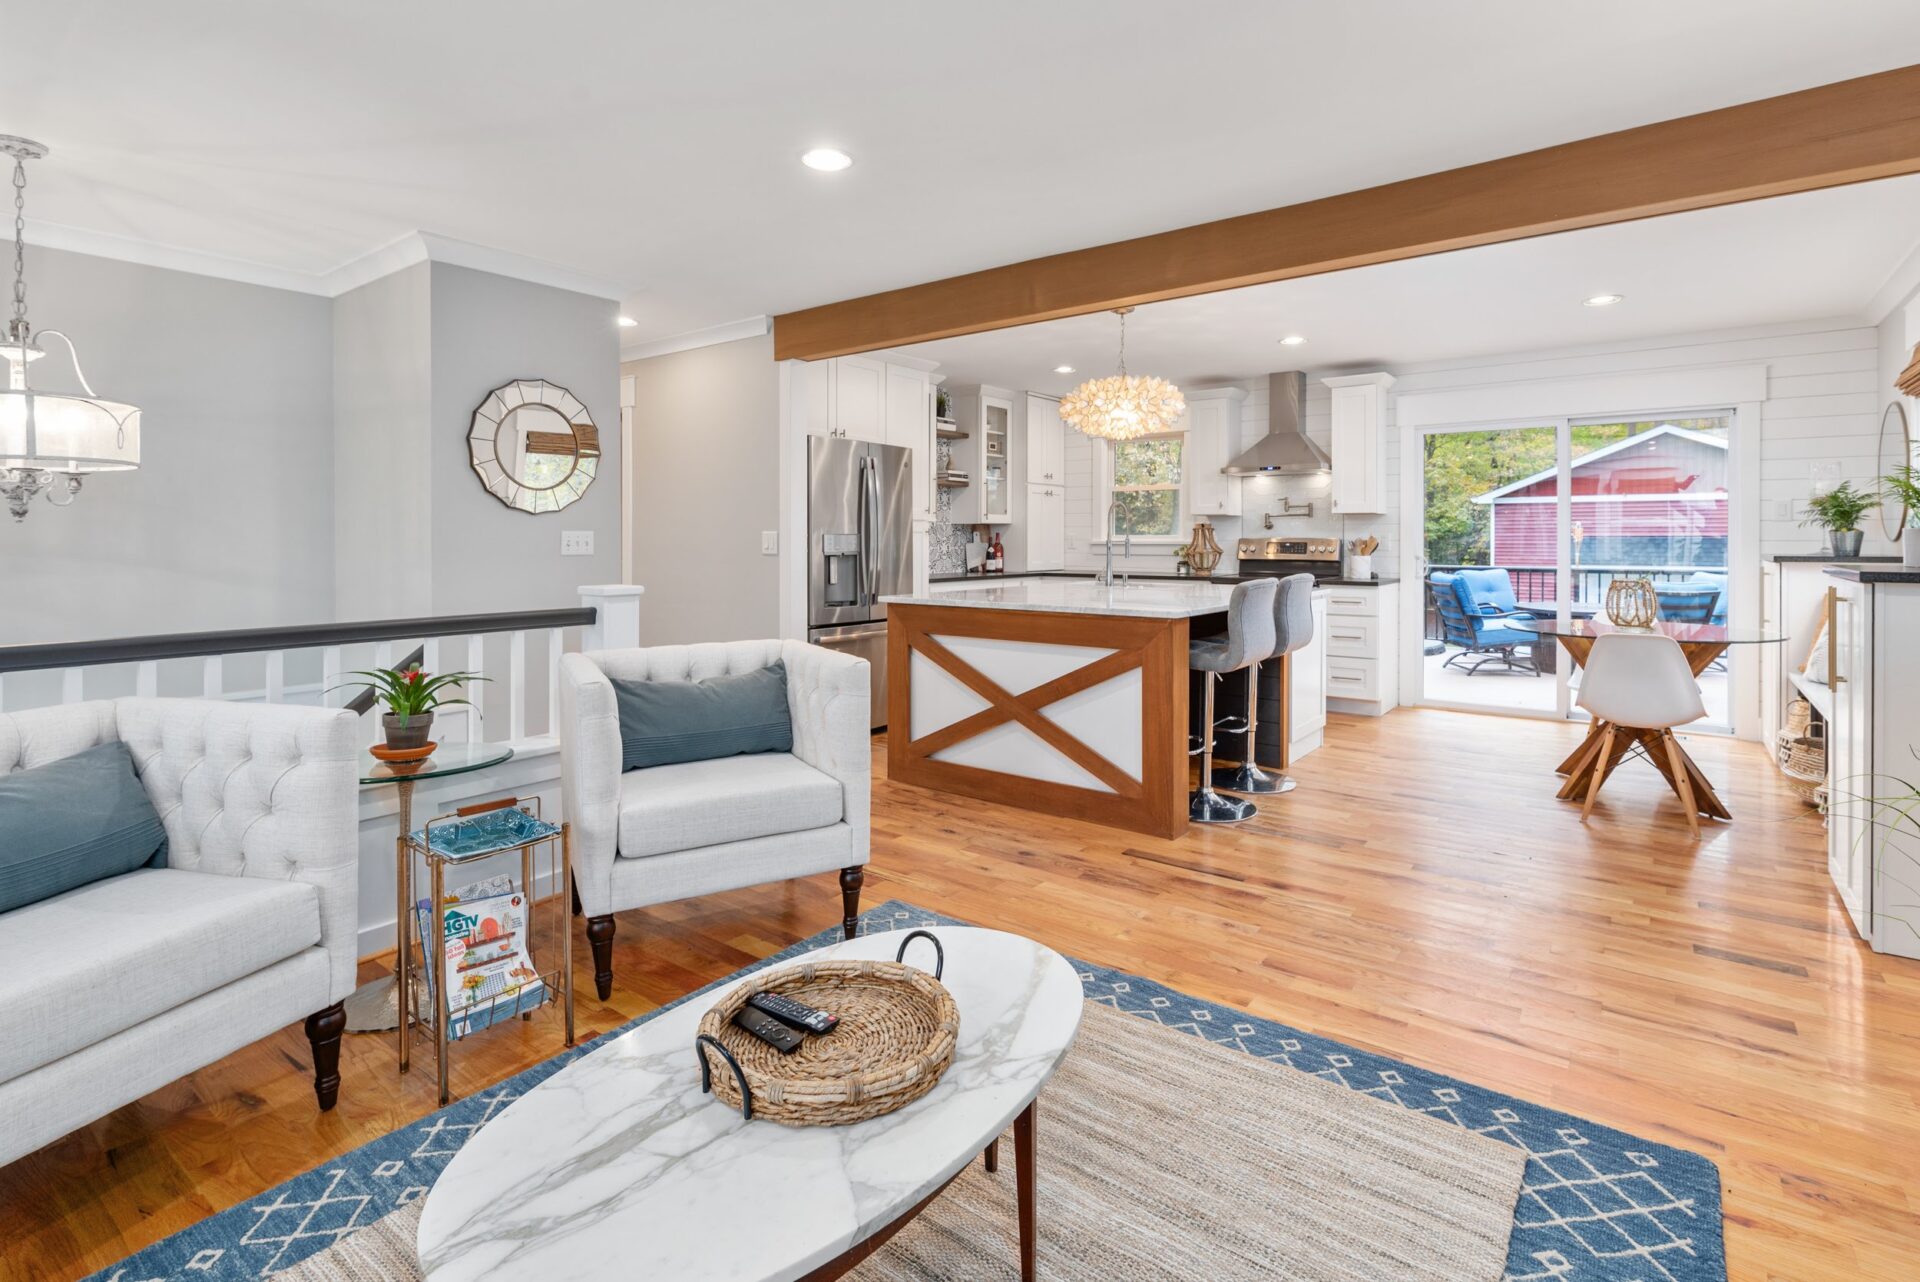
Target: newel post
<point>617,626</point>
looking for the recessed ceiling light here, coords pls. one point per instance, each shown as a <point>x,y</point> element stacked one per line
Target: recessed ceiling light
<point>628,322</point>
<point>1063,369</point>
<point>1604,300</point>
<point>826,159</point>
<point>1293,340</point>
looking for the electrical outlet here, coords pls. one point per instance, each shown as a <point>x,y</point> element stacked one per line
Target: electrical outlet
<point>769,543</point>
<point>576,543</point>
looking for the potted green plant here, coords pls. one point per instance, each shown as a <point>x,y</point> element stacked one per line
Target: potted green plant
<point>1838,512</point>
<point>410,696</point>
<point>1904,485</point>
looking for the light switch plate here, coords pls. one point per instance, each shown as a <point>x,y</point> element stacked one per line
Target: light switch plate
<point>769,543</point>
<point>576,543</point>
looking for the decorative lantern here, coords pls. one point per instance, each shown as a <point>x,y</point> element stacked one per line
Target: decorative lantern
<point>1203,553</point>
<point>1631,603</point>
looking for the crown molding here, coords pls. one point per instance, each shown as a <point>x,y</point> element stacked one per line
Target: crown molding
<point>731,332</point>
<point>396,255</point>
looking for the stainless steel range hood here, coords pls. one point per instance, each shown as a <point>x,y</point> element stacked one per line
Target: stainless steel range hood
<point>1285,449</point>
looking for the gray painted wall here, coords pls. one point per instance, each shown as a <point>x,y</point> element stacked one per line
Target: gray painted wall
<point>382,399</point>
<point>488,330</point>
<point>228,521</point>
<point>706,480</point>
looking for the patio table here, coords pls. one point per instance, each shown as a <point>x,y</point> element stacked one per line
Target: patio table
<point>1544,649</point>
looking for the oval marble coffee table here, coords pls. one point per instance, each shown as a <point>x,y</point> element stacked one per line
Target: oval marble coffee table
<point>618,1167</point>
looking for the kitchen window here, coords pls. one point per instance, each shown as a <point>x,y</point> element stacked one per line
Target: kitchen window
<point>1145,487</point>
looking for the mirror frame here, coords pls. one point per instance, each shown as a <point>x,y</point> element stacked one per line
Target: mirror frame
<point>501,404</point>
<point>1894,526</point>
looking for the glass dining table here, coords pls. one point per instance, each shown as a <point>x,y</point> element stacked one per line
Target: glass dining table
<point>1702,643</point>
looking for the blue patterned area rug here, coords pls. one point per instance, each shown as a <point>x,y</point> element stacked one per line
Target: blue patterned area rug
<point>1597,1205</point>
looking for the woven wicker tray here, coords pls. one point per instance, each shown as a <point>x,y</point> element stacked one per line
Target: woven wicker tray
<point>897,1031</point>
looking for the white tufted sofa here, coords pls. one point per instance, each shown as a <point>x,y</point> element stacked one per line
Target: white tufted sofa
<point>123,985</point>
<point>672,832</point>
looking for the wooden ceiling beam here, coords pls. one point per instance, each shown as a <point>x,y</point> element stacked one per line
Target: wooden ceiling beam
<point>1849,132</point>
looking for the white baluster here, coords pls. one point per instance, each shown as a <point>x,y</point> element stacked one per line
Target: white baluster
<point>517,678</point>
<point>276,676</point>
<point>430,655</point>
<point>476,662</point>
<point>330,677</point>
<point>146,679</point>
<point>72,685</point>
<point>213,677</point>
<point>555,644</point>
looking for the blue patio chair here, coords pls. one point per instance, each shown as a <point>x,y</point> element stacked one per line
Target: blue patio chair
<point>1474,605</point>
<point>1687,603</point>
<point>1700,579</point>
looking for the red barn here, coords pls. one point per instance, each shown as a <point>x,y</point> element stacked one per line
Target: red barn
<point>1655,499</point>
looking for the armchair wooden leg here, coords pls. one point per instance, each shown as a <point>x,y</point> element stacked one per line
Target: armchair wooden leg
<point>851,880</point>
<point>323,1035</point>
<point>600,935</point>
<point>577,910</point>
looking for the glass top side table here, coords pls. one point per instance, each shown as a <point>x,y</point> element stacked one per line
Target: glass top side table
<point>374,1007</point>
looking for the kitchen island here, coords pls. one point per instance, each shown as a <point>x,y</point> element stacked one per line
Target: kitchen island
<point>1060,696</point>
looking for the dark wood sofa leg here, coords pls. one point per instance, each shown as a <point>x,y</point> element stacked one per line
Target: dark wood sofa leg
<point>600,935</point>
<point>851,880</point>
<point>577,910</point>
<point>323,1035</point>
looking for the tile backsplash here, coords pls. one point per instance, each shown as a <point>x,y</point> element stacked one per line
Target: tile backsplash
<point>946,541</point>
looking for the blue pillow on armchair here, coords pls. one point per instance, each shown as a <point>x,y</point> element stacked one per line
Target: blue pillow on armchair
<point>80,819</point>
<point>666,722</point>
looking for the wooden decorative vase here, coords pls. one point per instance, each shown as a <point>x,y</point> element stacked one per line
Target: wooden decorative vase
<point>1203,554</point>
<point>1631,603</point>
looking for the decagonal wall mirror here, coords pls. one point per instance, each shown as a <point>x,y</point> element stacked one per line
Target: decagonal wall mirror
<point>1896,450</point>
<point>533,445</point>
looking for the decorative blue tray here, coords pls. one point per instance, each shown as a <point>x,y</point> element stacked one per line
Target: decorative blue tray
<point>484,834</point>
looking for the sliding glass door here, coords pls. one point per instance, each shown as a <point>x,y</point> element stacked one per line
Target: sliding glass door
<point>1537,519</point>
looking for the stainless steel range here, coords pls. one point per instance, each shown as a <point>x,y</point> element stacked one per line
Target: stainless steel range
<point>1277,558</point>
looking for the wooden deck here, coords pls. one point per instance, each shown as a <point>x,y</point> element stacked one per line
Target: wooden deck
<point>1422,895</point>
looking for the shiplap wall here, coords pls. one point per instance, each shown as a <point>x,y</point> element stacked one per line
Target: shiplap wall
<point>1823,404</point>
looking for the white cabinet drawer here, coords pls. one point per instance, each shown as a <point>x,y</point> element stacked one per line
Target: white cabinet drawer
<point>1352,678</point>
<point>1353,601</point>
<point>1355,635</point>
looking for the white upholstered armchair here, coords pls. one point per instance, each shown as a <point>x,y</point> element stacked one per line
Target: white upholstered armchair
<point>671,832</point>
<point>130,982</point>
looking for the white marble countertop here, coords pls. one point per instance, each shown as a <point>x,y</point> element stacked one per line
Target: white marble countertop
<point>1160,599</point>
<point>618,1167</point>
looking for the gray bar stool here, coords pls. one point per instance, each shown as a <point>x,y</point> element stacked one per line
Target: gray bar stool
<point>1249,639</point>
<point>1292,628</point>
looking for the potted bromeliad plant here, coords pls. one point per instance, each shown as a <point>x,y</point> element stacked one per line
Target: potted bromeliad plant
<point>410,696</point>
<point>1903,484</point>
<point>1838,512</point>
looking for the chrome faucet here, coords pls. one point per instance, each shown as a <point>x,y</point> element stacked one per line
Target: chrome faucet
<point>1107,576</point>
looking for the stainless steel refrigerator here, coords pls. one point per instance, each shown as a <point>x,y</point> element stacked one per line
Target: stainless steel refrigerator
<point>859,548</point>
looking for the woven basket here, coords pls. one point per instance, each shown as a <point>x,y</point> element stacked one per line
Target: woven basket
<point>1803,760</point>
<point>1799,716</point>
<point>896,1036</point>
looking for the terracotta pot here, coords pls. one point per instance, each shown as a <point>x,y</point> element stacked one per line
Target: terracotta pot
<point>411,735</point>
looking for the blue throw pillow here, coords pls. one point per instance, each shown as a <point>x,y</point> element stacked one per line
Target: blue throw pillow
<point>73,821</point>
<point>663,722</point>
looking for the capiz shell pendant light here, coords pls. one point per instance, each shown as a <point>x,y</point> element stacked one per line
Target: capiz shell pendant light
<point>1123,406</point>
<point>48,440</point>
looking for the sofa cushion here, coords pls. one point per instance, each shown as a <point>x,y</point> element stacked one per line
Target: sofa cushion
<point>111,954</point>
<point>73,821</point>
<point>665,722</point>
<point>704,803</point>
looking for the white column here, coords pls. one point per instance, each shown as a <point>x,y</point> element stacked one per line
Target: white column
<point>618,624</point>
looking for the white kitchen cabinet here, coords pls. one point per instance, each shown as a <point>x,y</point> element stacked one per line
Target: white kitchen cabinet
<point>1046,442</point>
<point>985,454</point>
<point>1046,527</point>
<point>1213,438</point>
<point>1362,674</point>
<point>1359,443</point>
<point>909,423</point>
<point>1307,687</point>
<point>860,398</point>
<point>1873,856</point>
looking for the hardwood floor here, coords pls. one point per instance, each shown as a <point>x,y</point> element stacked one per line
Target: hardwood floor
<point>1422,894</point>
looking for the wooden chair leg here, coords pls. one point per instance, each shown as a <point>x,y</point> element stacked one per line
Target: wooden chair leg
<point>1599,771</point>
<point>851,879</point>
<point>1682,782</point>
<point>323,1035</point>
<point>600,935</point>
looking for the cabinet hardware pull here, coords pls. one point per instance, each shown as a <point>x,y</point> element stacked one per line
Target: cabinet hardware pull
<point>1834,679</point>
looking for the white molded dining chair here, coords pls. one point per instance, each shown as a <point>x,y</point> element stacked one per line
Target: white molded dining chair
<point>1642,682</point>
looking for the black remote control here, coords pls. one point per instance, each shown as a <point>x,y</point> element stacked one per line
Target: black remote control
<point>797,1014</point>
<point>769,1030</point>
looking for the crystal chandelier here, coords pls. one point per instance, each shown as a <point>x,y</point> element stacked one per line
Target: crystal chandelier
<point>1123,406</point>
<point>49,440</point>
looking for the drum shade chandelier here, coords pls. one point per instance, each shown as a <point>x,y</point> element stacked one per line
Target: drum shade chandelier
<point>1123,406</point>
<point>50,440</point>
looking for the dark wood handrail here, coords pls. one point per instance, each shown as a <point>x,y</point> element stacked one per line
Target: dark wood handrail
<point>189,645</point>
